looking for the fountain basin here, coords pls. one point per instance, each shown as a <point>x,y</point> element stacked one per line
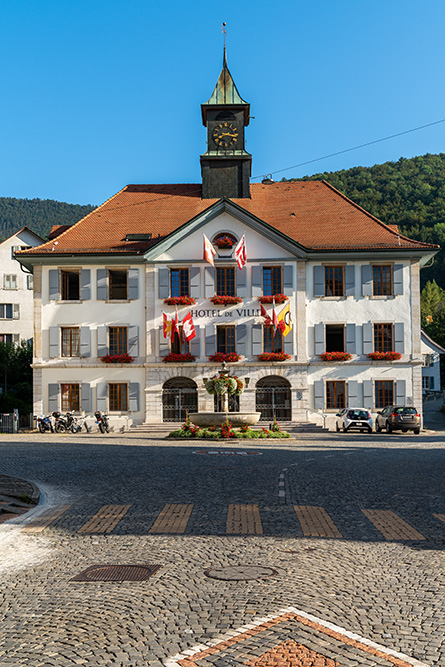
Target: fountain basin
<point>206,419</point>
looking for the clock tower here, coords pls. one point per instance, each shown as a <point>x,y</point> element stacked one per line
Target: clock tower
<point>225,166</point>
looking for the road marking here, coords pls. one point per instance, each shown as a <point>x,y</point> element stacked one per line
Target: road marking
<point>392,526</point>
<point>441,517</point>
<point>44,519</point>
<point>244,520</point>
<point>173,518</point>
<point>316,522</point>
<point>105,520</point>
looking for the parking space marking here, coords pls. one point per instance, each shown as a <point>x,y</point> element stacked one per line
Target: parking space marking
<point>441,517</point>
<point>316,522</point>
<point>173,518</point>
<point>105,520</point>
<point>392,526</point>
<point>244,520</point>
<point>45,519</point>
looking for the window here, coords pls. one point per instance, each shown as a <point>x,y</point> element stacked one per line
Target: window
<point>179,345</point>
<point>335,338</point>
<point>382,280</point>
<point>117,285</point>
<point>118,340</point>
<point>30,281</point>
<point>70,397</point>
<point>6,311</point>
<point>272,341</point>
<point>179,282</point>
<point>384,393</point>
<point>16,248</point>
<point>383,338</point>
<point>118,397</point>
<point>225,281</point>
<point>6,338</point>
<point>10,281</point>
<point>427,382</point>
<point>225,339</point>
<point>334,280</point>
<point>272,280</point>
<point>335,395</point>
<point>70,342</point>
<point>426,360</point>
<point>70,285</point>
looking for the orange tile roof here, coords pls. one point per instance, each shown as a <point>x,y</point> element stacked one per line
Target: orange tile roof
<point>312,213</point>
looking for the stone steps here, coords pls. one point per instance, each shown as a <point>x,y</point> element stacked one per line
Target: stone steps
<point>291,427</point>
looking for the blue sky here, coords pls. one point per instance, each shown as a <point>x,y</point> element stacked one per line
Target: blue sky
<point>98,94</point>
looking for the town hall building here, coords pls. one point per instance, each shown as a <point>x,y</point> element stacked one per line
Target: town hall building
<point>349,281</point>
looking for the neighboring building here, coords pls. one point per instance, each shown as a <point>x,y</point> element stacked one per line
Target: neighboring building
<point>16,289</point>
<point>431,352</point>
<point>352,285</point>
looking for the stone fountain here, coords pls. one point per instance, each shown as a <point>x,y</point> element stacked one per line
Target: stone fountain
<point>206,419</point>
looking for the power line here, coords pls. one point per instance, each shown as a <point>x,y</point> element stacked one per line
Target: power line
<point>354,148</point>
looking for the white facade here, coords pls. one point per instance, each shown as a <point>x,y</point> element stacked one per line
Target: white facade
<point>431,352</point>
<point>16,289</point>
<point>308,379</point>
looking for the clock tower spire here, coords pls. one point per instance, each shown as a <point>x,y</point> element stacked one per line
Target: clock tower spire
<point>225,166</point>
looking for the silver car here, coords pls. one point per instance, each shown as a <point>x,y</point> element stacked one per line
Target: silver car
<point>353,418</point>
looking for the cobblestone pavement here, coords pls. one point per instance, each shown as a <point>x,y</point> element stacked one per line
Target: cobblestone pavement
<point>351,526</point>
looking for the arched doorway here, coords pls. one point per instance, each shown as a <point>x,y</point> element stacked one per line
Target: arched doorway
<point>273,399</point>
<point>179,396</point>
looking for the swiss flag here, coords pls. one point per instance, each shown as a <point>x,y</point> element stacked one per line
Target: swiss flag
<point>267,320</point>
<point>241,252</point>
<point>209,251</point>
<point>188,328</point>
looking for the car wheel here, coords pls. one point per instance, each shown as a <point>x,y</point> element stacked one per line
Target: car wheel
<point>337,427</point>
<point>378,428</point>
<point>345,430</point>
<point>369,430</point>
<point>388,428</point>
<point>417,431</point>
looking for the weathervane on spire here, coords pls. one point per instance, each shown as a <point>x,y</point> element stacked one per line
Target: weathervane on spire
<point>224,32</point>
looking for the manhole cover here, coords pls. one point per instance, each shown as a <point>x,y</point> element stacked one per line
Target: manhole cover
<point>240,572</point>
<point>117,573</point>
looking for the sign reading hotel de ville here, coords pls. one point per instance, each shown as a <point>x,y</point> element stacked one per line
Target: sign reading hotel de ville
<point>224,313</point>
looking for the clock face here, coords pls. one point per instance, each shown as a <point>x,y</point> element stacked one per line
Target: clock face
<point>225,135</point>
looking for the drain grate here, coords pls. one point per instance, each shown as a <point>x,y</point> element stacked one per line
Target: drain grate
<point>240,572</point>
<point>117,573</point>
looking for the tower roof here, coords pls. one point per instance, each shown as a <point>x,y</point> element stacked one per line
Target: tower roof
<point>225,93</point>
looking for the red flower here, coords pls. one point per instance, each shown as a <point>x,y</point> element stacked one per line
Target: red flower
<point>180,301</point>
<point>174,358</point>
<point>229,357</point>
<point>279,298</point>
<point>224,242</point>
<point>224,300</point>
<point>385,356</point>
<point>335,356</point>
<point>273,356</point>
<point>117,359</point>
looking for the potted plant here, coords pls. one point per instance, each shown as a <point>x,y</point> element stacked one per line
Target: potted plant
<point>273,356</point>
<point>385,356</point>
<point>117,359</point>
<point>278,298</point>
<point>225,300</point>
<point>179,301</point>
<point>229,357</point>
<point>176,358</point>
<point>336,356</point>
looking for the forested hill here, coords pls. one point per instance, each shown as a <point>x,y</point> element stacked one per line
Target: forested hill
<point>37,214</point>
<point>409,193</point>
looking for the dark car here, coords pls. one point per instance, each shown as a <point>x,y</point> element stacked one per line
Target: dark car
<point>398,418</point>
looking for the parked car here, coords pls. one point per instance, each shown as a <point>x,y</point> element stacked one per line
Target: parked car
<point>398,418</point>
<point>353,418</point>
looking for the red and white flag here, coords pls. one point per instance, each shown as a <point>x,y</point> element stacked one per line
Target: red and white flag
<point>241,252</point>
<point>209,251</point>
<point>188,328</point>
<point>166,326</point>
<point>175,325</point>
<point>274,316</point>
<point>267,320</point>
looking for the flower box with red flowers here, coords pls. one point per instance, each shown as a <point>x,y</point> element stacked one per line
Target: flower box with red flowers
<point>385,356</point>
<point>224,300</point>
<point>175,358</point>
<point>224,242</point>
<point>180,301</point>
<point>278,298</point>
<point>117,359</point>
<point>228,357</point>
<point>336,356</point>
<point>273,356</point>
